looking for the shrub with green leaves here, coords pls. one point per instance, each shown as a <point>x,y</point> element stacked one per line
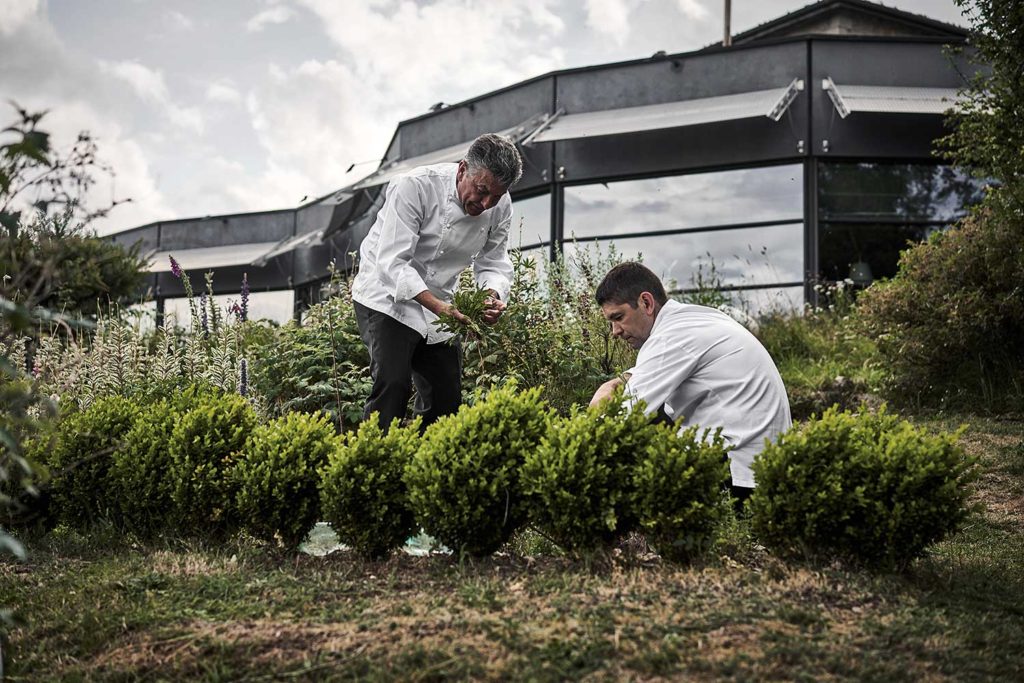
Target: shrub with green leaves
<point>362,491</point>
<point>321,364</point>
<point>579,479</point>
<point>464,480</point>
<point>863,486</point>
<point>950,325</point>
<point>278,475</point>
<point>139,471</point>
<point>81,489</point>
<point>678,483</point>
<point>204,446</point>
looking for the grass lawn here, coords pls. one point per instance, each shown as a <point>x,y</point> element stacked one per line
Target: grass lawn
<point>106,608</point>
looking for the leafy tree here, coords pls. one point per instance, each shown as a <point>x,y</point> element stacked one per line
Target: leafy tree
<point>988,137</point>
<point>950,324</point>
<point>61,265</point>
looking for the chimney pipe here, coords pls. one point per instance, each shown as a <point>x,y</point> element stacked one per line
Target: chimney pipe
<point>727,40</point>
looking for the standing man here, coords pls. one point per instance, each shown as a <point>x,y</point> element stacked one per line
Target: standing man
<point>435,222</point>
<point>696,363</point>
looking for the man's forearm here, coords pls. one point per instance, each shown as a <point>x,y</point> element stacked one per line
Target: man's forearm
<point>427,300</point>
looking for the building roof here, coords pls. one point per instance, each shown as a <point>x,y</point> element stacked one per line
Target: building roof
<point>850,18</point>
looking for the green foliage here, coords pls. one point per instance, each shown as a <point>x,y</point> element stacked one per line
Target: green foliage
<point>552,334</point>
<point>82,490</point>
<point>950,326</point>
<point>464,480</point>
<point>362,490</point>
<point>471,301</point>
<point>139,472</point>
<point>321,364</point>
<point>678,483</point>
<point>117,358</point>
<point>578,481</point>
<point>278,474</point>
<point>69,268</point>
<point>822,354</point>
<point>987,136</point>
<point>204,447</point>
<point>865,486</point>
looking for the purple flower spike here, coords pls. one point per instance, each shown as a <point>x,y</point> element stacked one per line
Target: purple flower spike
<point>244,311</point>
<point>243,377</point>
<point>175,267</point>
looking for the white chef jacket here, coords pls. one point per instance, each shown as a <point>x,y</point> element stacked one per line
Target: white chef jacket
<point>422,239</point>
<point>701,364</point>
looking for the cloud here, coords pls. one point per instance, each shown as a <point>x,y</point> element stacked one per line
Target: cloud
<point>178,20</point>
<point>272,15</point>
<point>609,17</point>
<point>692,9</point>
<point>16,13</point>
<point>40,73</point>
<point>149,85</point>
<point>224,92</point>
<point>408,55</point>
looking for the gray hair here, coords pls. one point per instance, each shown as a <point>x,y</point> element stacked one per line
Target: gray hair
<point>497,154</point>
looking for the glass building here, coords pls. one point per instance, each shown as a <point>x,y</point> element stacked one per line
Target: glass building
<point>801,153</point>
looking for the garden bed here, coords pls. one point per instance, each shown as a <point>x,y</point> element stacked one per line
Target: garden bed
<point>102,606</point>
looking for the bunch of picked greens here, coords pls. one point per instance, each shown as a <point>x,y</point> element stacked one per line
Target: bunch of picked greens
<point>471,301</point>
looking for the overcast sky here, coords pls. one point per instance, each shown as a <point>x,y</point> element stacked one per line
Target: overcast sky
<point>242,105</point>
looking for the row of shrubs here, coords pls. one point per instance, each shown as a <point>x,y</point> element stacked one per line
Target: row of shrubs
<point>866,486</point>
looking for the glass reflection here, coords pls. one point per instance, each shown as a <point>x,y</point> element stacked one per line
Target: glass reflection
<point>876,191</point>
<point>744,256</point>
<point>666,203</point>
<point>531,221</point>
<point>865,252</point>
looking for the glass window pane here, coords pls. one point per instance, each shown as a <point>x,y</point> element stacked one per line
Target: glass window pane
<point>531,221</point>
<point>760,302</point>
<point>276,306</point>
<point>667,203</point>
<point>884,192</point>
<point>743,256</point>
<point>865,252</point>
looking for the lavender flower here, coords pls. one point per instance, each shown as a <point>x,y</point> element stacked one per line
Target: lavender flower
<point>243,377</point>
<point>236,310</point>
<point>175,267</point>
<point>244,310</point>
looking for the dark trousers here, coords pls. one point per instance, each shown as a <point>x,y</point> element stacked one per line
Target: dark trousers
<point>401,358</point>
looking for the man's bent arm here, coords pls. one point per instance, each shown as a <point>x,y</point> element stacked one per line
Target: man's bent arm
<point>605,391</point>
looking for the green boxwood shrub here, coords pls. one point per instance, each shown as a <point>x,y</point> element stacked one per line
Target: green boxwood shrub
<point>863,486</point>
<point>678,483</point>
<point>362,490</point>
<point>81,490</point>
<point>579,479</point>
<point>464,480</point>
<point>142,469</point>
<point>204,447</point>
<point>278,475</point>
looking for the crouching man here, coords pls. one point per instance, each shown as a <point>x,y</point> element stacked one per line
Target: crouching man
<point>697,363</point>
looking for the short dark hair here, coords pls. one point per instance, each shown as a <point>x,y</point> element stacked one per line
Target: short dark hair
<point>499,155</point>
<point>626,282</point>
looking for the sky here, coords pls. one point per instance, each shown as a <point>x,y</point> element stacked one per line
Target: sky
<point>206,108</point>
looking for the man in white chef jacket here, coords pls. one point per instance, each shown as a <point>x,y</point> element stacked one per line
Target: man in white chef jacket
<point>435,222</point>
<point>696,363</point>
